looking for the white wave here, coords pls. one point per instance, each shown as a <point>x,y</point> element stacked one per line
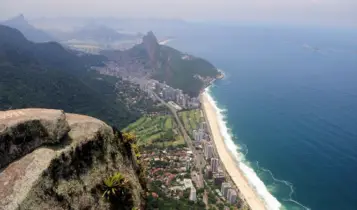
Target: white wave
<point>288,184</point>
<point>270,201</point>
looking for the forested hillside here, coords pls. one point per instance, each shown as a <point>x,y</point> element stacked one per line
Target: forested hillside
<point>47,75</point>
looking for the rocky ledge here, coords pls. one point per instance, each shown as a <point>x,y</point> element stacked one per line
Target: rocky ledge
<point>53,160</point>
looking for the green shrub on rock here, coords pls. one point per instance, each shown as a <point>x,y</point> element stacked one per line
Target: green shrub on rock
<point>115,187</point>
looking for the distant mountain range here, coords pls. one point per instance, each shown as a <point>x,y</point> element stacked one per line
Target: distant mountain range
<point>162,27</point>
<point>31,33</point>
<point>99,33</point>
<point>46,75</point>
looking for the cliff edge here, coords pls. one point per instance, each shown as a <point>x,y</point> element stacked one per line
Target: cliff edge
<point>53,160</point>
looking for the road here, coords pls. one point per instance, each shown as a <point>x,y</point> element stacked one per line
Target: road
<point>199,159</point>
<point>200,162</point>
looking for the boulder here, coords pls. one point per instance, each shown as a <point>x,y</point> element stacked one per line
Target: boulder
<point>68,173</point>
<point>23,130</point>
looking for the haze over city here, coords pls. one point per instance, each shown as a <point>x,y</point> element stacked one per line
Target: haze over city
<point>319,12</point>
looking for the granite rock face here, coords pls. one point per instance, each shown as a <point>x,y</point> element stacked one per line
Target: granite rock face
<point>152,47</point>
<point>22,131</point>
<point>63,165</point>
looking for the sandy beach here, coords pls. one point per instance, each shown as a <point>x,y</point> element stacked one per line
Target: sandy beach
<point>226,158</point>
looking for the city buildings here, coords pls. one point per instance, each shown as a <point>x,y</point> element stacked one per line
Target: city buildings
<point>232,196</point>
<point>195,135</point>
<point>208,172</point>
<point>224,188</point>
<point>208,150</point>
<point>218,179</point>
<point>188,165</point>
<point>214,164</point>
<point>193,194</point>
<point>168,93</point>
<point>188,183</point>
<point>199,134</point>
<point>203,126</point>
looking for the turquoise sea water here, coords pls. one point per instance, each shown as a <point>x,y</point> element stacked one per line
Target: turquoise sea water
<point>289,99</point>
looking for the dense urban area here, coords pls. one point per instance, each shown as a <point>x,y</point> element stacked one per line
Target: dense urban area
<point>183,174</point>
<point>142,92</point>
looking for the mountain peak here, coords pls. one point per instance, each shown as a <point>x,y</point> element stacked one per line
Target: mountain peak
<point>20,23</point>
<point>150,38</point>
<point>152,46</point>
<point>17,20</point>
<point>20,17</point>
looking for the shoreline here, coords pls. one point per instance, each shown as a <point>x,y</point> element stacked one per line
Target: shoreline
<point>165,41</point>
<point>247,193</point>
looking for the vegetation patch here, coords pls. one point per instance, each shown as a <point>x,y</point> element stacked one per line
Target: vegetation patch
<point>117,190</point>
<point>158,131</point>
<point>191,120</point>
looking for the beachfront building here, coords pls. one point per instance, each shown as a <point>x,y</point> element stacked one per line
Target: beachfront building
<point>218,179</point>
<point>232,196</point>
<point>202,134</point>
<point>203,126</point>
<point>208,150</point>
<point>214,164</point>
<point>199,134</point>
<point>224,188</point>
<point>194,103</point>
<point>193,196</point>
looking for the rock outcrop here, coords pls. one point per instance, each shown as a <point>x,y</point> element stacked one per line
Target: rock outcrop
<point>23,131</point>
<point>53,160</point>
<point>152,47</point>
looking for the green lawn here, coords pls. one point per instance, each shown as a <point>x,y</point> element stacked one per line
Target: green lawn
<point>191,120</point>
<point>168,123</point>
<point>156,130</point>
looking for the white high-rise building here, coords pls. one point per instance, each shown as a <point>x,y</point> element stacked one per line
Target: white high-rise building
<point>201,134</point>
<point>188,165</point>
<point>214,164</point>
<point>224,188</point>
<point>198,135</point>
<point>232,196</point>
<point>195,134</point>
<point>193,194</point>
<point>208,150</point>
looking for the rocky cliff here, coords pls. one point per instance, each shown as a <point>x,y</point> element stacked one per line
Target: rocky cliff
<point>152,47</point>
<point>53,160</point>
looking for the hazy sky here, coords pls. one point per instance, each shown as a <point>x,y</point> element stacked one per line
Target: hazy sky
<point>340,12</point>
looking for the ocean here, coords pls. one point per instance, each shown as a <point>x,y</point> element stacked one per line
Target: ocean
<point>289,106</point>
